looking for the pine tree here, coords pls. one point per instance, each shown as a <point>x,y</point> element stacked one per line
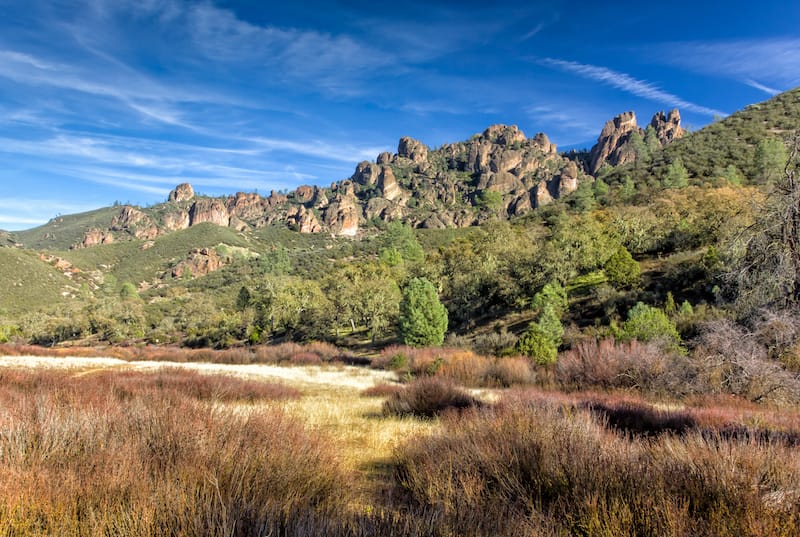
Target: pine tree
<point>423,318</point>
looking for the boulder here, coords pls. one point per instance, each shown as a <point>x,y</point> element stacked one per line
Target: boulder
<point>201,261</point>
<point>182,192</point>
<point>412,149</point>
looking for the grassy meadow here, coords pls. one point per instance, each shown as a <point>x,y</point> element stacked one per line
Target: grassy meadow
<point>315,447</point>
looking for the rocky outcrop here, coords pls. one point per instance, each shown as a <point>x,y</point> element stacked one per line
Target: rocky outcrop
<point>387,184</point>
<point>182,192</point>
<point>498,172</point>
<point>209,210</point>
<point>342,214</point>
<point>135,222</point>
<point>176,220</point>
<point>568,180</point>
<point>93,237</point>
<point>614,147</point>
<point>412,149</point>
<point>667,127</point>
<point>303,220</point>
<point>200,262</point>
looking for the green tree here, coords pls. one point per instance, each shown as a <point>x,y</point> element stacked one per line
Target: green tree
<point>128,291</point>
<point>401,237</point>
<point>553,295</point>
<point>489,200</point>
<point>648,323</point>
<point>733,175</point>
<point>243,299</point>
<point>651,139</point>
<point>640,150</point>
<point>276,261</point>
<point>622,269</point>
<point>770,160</point>
<point>676,175</point>
<point>550,324</point>
<point>537,345</point>
<point>423,318</point>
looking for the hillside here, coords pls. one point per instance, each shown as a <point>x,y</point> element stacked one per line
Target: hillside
<point>491,222</point>
<point>731,141</point>
<point>31,283</point>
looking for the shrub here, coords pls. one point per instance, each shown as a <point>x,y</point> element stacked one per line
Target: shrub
<point>381,390</point>
<point>622,269</point>
<point>608,364</point>
<point>647,323</point>
<point>511,371</point>
<point>429,397</point>
<point>540,468</point>
<point>734,361</point>
<point>537,345</point>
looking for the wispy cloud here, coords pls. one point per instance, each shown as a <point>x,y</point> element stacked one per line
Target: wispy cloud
<point>774,62</point>
<point>22,213</point>
<point>629,84</point>
<point>762,87</point>
<point>564,120</point>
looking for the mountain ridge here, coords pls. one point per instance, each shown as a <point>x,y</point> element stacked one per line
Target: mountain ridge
<point>499,172</point>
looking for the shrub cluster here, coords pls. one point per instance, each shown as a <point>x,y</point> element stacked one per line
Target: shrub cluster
<point>534,468</point>
<point>459,365</point>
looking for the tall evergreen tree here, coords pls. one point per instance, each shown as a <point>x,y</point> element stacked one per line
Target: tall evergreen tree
<point>423,318</point>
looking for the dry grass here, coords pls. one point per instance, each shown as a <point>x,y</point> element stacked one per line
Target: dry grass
<point>142,454</point>
<point>542,468</point>
<point>174,452</point>
<point>284,353</point>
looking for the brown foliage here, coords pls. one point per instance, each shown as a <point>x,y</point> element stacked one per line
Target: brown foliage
<point>429,397</point>
<point>147,454</point>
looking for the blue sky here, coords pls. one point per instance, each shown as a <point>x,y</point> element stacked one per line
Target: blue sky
<point>120,100</point>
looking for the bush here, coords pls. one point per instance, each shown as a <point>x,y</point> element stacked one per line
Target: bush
<point>608,364</point>
<point>537,345</point>
<point>429,397</point>
<point>541,468</point>
<point>647,323</point>
<point>511,371</point>
<point>622,269</point>
<point>734,361</point>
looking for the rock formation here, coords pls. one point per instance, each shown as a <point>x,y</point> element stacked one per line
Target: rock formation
<point>667,127</point>
<point>201,261</point>
<point>498,172</point>
<point>209,210</point>
<point>614,148</point>
<point>93,237</point>
<point>182,192</point>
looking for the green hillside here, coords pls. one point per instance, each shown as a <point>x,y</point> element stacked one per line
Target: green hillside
<point>62,232</point>
<point>29,283</point>
<point>732,141</point>
<point>134,262</point>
